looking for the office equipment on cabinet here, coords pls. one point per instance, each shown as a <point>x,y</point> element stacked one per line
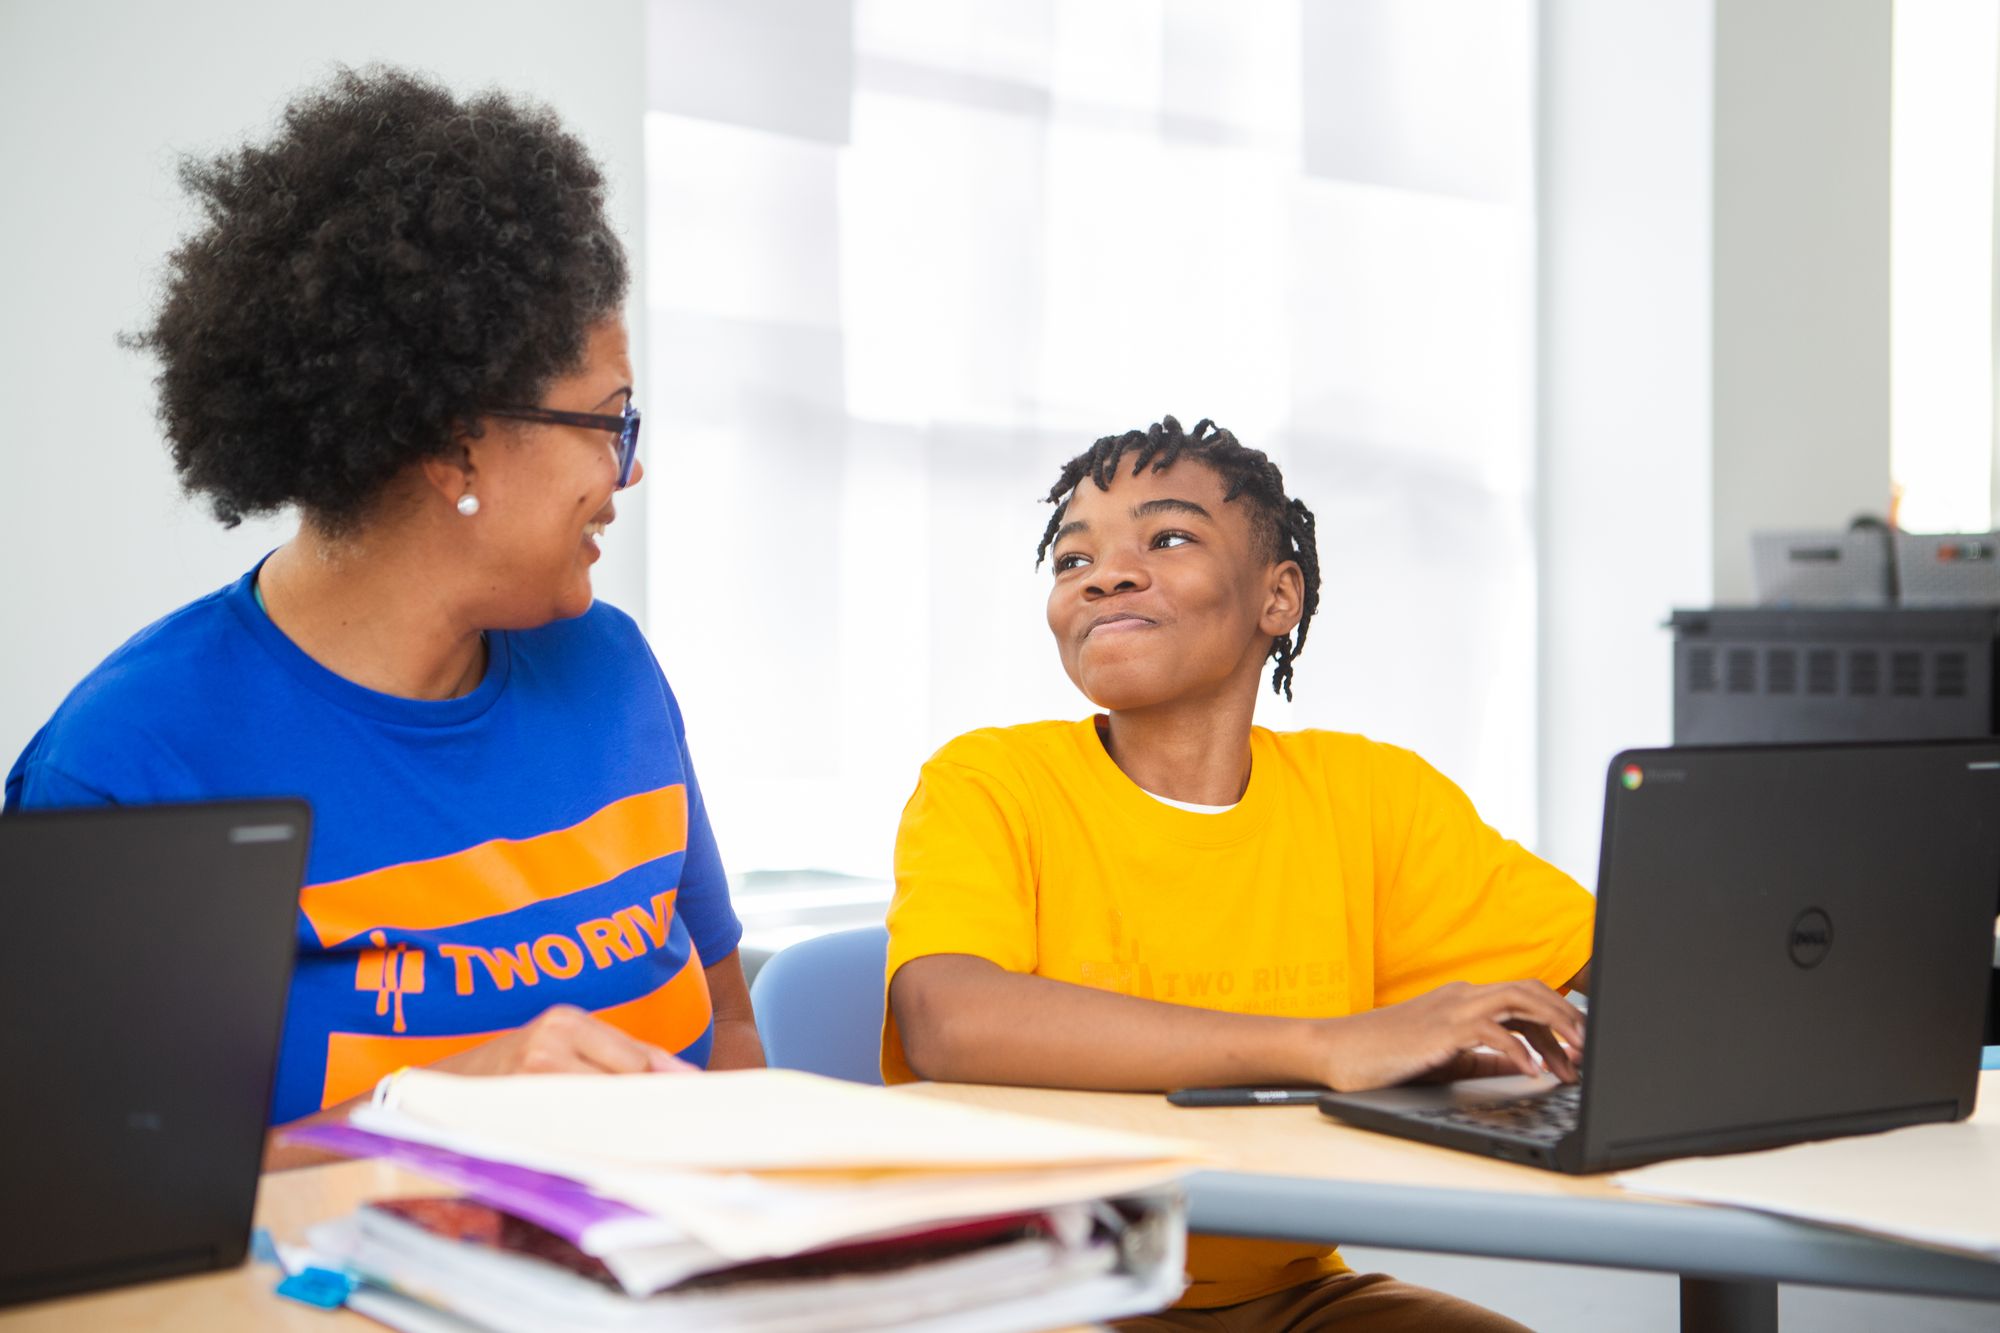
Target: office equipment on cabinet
<point>1948,569</point>
<point>1821,568</point>
<point>1833,673</point>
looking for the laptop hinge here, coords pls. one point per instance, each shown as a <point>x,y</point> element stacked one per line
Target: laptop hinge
<point>1769,1133</point>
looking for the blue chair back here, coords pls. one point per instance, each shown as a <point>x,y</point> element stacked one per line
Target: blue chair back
<point>819,1005</point>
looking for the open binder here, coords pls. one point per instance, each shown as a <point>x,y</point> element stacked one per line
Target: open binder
<point>752,1200</point>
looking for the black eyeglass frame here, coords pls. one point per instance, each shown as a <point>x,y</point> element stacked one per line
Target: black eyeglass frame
<point>625,425</point>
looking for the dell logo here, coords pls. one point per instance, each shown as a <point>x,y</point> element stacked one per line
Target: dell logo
<point>1812,937</point>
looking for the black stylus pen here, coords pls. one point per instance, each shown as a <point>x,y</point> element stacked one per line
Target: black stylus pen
<point>1246,1096</point>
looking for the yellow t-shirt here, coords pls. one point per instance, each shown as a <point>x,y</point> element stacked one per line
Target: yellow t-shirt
<point>1351,875</point>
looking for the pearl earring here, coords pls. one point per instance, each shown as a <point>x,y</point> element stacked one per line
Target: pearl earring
<point>468,504</point>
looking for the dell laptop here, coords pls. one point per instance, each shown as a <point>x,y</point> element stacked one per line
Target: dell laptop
<point>145,955</point>
<point>1792,942</point>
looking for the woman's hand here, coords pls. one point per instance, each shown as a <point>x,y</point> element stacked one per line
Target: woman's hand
<point>563,1040</point>
<point>1435,1035</point>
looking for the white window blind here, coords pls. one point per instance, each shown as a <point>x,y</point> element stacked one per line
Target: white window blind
<point>905,258</point>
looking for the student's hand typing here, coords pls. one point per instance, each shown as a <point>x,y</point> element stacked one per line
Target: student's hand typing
<point>1435,1035</point>
<point>563,1040</point>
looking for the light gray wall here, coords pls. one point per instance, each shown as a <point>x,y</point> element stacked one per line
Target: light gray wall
<point>1801,282</point>
<point>1714,358</point>
<point>97,99</point>
<point>1625,345</point>
<point>1714,339</point>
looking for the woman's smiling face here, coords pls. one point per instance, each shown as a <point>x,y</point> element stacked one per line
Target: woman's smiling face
<point>1162,589</point>
<point>545,492</point>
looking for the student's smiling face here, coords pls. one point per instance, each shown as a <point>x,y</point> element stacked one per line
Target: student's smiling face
<point>1163,591</point>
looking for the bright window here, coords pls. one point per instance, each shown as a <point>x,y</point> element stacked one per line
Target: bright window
<point>905,258</point>
<point>1947,53</point>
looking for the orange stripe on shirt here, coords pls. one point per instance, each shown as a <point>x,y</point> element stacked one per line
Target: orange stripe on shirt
<point>504,874</point>
<point>672,1017</point>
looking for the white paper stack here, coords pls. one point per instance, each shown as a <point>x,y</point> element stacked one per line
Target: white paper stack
<point>753,1200</point>
<point>1933,1185</point>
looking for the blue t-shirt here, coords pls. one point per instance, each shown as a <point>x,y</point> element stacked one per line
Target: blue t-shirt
<point>539,841</point>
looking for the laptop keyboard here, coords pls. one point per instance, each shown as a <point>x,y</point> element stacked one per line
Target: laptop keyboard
<point>1545,1118</point>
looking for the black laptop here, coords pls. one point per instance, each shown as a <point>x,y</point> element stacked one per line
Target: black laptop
<point>145,954</point>
<point>1793,942</point>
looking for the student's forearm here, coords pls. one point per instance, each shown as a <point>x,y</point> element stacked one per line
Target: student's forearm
<point>736,1045</point>
<point>964,1019</point>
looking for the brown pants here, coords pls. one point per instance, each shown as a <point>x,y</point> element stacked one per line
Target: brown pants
<point>1351,1303</point>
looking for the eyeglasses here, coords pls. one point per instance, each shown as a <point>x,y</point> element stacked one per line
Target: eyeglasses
<point>626,425</point>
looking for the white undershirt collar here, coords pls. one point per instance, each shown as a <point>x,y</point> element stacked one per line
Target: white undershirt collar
<point>1190,806</point>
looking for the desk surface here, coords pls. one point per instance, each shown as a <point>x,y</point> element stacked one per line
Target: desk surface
<point>1281,1172</point>
<point>1289,1173</point>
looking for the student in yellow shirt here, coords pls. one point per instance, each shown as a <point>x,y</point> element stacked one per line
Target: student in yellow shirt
<point>1166,895</point>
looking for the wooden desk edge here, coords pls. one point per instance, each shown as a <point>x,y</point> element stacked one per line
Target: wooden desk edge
<point>1276,1178</point>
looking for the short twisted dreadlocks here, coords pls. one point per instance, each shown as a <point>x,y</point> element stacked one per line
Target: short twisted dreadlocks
<point>1286,529</point>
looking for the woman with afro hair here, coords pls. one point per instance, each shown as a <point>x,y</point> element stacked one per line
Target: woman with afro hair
<point>400,317</point>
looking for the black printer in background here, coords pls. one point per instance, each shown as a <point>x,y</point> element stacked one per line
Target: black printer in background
<point>1833,673</point>
<point>1865,665</point>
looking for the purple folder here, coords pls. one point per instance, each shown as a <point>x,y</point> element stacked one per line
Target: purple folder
<point>558,1203</point>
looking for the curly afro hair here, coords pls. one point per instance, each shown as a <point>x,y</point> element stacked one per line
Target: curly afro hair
<point>392,263</point>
